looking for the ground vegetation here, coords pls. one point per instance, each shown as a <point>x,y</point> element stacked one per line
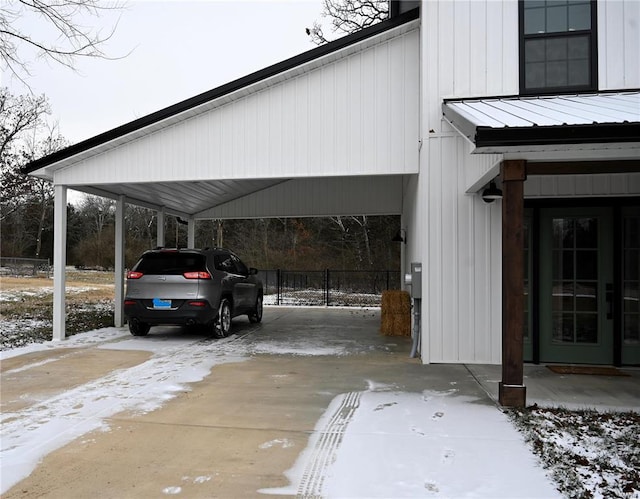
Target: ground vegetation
<point>588,453</point>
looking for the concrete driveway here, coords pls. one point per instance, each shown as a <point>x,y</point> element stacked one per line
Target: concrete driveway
<point>312,402</point>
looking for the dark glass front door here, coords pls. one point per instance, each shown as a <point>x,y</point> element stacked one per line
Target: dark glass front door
<point>576,285</point>
<point>631,287</point>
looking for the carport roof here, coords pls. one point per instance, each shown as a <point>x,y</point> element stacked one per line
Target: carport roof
<point>525,123</point>
<point>177,111</point>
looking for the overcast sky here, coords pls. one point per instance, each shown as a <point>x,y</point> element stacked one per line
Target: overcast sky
<point>179,49</point>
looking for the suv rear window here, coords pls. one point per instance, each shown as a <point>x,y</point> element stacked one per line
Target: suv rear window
<point>170,263</point>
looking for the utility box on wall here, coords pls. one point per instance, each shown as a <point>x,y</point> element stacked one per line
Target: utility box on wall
<point>416,280</point>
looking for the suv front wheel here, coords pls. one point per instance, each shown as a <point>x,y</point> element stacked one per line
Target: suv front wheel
<point>223,322</point>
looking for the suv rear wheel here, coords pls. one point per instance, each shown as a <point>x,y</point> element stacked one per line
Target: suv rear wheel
<point>223,322</point>
<point>256,314</point>
<point>137,328</point>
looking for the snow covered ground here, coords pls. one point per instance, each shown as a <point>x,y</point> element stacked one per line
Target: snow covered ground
<point>461,446</point>
<point>455,445</point>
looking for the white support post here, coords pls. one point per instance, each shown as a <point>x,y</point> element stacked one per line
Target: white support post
<point>118,318</point>
<point>191,233</point>
<point>59,261</point>
<point>160,228</point>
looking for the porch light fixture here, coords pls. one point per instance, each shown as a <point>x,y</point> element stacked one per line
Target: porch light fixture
<point>491,193</point>
<point>398,238</point>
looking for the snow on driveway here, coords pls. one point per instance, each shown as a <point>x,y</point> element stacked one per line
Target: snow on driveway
<point>375,443</point>
<point>30,434</point>
<point>385,443</point>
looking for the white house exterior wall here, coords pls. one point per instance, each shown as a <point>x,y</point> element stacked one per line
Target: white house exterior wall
<point>354,116</point>
<point>618,42</point>
<point>470,49</point>
<point>465,53</point>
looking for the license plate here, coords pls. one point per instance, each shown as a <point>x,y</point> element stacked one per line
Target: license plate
<point>160,303</point>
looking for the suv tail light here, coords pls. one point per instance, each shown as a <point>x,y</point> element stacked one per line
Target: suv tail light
<point>132,274</point>
<point>197,275</point>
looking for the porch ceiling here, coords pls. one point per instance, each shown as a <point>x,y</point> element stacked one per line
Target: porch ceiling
<point>181,198</point>
<point>264,198</point>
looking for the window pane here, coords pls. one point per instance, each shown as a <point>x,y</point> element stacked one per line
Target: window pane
<point>563,297</point>
<point>562,331</point>
<point>587,264</point>
<point>632,329</point>
<point>534,21</point>
<point>556,74</point>
<point>587,328</point>
<point>630,298</point>
<point>534,51</point>
<point>632,232</point>
<point>556,49</point>
<point>631,264</point>
<point>587,296</point>
<point>579,17</point>
<point>562,233</point>
<point>586,233</point>
<point>534,75</point>
<point>562,264</point>
<point>579,72</point>
<point>556,18</point>
<point>578,47</point>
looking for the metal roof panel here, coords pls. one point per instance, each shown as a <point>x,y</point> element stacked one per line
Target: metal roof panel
<point>498,123</point>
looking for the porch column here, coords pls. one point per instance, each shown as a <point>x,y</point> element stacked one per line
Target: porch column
<point>118,318</point>
<point>191,233</point>
<point>160,228</point>
<point>59,261</point>
<point>512,392</point>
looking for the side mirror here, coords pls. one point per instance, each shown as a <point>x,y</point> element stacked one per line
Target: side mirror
<point>252,271</point>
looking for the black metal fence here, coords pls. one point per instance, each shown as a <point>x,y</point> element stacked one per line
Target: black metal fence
<point>352,288</point>
<point>15,266</point>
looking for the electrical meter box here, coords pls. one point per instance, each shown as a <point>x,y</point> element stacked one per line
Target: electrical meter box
<point>416,280</point>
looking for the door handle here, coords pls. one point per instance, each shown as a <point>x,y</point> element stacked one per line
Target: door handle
<point>609,298</point>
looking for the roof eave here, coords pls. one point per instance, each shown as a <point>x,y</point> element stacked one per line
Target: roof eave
<point>597,133</point>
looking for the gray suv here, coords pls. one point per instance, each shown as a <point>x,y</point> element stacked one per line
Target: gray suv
<point>191,287</point>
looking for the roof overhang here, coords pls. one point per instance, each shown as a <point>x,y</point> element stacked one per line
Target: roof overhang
<point>307,61</point>
<point>602,121</point>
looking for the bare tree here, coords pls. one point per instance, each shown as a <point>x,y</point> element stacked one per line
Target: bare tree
<point>21,119</point>
<point>42,192</point>
<point>348,16</point>
<point>26,202</point>
<point>56,32</point>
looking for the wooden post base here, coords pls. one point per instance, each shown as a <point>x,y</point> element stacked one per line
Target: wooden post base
<point>512,395</point>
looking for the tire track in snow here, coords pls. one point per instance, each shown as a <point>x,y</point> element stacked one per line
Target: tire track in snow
<point>325,449</point>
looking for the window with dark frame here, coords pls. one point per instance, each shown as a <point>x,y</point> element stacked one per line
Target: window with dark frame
<point>558,46</point>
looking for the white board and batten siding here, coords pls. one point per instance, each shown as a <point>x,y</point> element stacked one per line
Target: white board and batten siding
<point>464,55</point>
<point>618,44</point>
<point>470,49</point>
<point>357,115</point>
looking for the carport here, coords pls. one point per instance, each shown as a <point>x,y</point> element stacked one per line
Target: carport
<point>333,131</point>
